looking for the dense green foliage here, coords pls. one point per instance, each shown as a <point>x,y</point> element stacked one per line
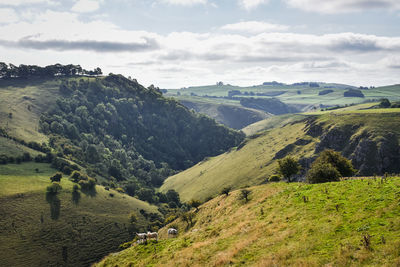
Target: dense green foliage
<point>11,71</point>
<point>353,93</point>
<point>329,166</point>
<point>288,167</point>
<point>130,135</point>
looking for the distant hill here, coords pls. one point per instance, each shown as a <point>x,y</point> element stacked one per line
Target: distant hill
<point>233,116</point>
<point>370,138</point>
<point>347,223</point>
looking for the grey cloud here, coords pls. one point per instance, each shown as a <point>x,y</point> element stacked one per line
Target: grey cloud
<point>270,58</point>
<point>356,46</point>
<point>86,45</point>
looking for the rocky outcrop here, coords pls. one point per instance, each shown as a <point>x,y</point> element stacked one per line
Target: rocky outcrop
<point>377,156</point>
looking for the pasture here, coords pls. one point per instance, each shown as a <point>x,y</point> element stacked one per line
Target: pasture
<point>347,223</point>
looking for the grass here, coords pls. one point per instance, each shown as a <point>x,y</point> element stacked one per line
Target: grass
<point>308,96</point>
<point>86,229</point>
<point>278,228</point>
<point>252,164</point>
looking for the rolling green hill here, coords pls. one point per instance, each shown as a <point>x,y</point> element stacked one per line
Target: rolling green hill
<point>347,223</point>
<point>302,95</point>
<point>370,138</point>
<point>233,116</point>
<point>72,231</point>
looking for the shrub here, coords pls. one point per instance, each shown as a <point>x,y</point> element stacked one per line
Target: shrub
<point>322,173</point>
<point>226,191</point>
<point>88,184</point>
<point>274,178</point>
<point>56,177</point>
<point>120,190</point>
<point>244,194</point>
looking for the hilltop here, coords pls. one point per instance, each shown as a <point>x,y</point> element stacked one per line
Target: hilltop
<point>347,223</point>
<point>370,138</point>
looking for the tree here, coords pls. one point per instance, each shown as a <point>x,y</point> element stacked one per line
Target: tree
<point>385,103</point>
<point>322,173</point>
<point>328,167</point>
<point>244,194</point>
<point>288,167</point>
<point>173,196</point>
<point>226,190</point>
<point>342,164</point>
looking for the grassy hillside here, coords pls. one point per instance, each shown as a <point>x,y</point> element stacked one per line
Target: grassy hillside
<point>233,116</point>
<point>370,138</point>
<point>251,164</point>
<point>285,225</point>
<point>76,231</point>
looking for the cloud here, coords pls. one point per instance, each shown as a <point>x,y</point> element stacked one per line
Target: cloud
<point>84,45</point>
<point>8,15</point>
<point>26,2</point>
<point>185,2</point>
<point>254,27</point>
<point>251,4</point>
<point>343,6</point>
<point>85,6</point>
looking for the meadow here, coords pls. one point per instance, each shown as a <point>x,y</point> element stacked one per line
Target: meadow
<point>347,223</point>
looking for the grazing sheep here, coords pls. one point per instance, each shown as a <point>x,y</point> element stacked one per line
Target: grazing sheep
<point>142,237</point>
<point>151,235</point>
<point>172,232</point>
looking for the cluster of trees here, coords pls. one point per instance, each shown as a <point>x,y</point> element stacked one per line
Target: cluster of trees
<point>131,135</point>
<point>8,71</point>
<point>385,103</point>
<point>310,84</point>
<point>329,166</point>
<point>353,93</point>
<point>232,93</point>
<point>325,92</point>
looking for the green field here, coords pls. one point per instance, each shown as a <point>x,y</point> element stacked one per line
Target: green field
<point>284,224</point>
<point>71,231</point>
<point>304,96</point>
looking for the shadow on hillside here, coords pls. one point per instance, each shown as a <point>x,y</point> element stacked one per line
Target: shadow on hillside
<point>76,197</point>
<point>55,205</point>
<point>90,192</point>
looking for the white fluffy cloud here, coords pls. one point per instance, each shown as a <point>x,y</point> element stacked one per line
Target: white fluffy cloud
<point>8,15</point>
<point>84,6</point>
<point>254,27</point>
<point>185,2</point>
<point>185,58</point>
<point>25,2</point>
<point>343,6</point>
<point>251,4</point>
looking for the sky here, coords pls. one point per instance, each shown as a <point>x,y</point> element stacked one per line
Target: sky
<point>181,43</point>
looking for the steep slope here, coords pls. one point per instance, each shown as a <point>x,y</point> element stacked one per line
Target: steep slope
<point>69,230</point>
<point>348,223</point>
<point>370,138</point>
<point>121,133</point>
<point>233,116</point>
<point>249,164</point>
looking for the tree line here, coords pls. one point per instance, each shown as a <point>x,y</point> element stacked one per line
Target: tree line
<point>10,71</point>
